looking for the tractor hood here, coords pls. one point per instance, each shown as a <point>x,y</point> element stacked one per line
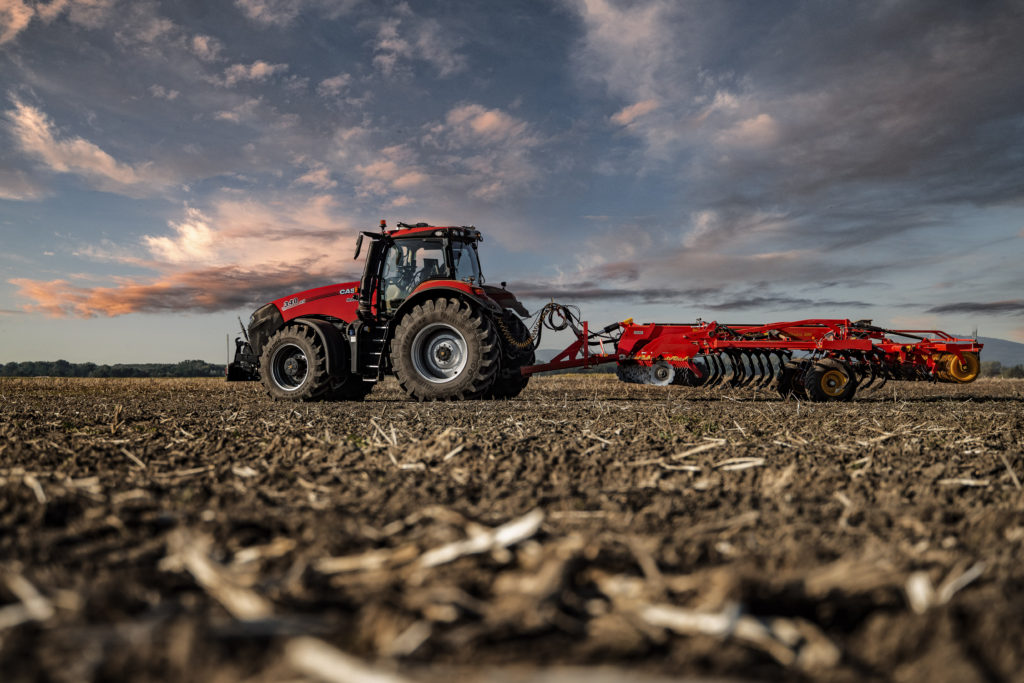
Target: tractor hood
<point>337,300</point>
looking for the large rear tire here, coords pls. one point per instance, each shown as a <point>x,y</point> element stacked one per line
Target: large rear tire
<point>517,351</point>
<point>445,350</point>
<point>293,365</point>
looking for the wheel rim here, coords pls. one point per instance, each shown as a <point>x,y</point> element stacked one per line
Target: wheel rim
<point>966,371</point>
<point>289,367</point>
<point>833,382</point>
<point>662,373</point>
<point>439,353</point>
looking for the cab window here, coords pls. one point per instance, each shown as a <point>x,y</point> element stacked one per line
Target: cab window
<point>467,263</point>
<point>408,263</point>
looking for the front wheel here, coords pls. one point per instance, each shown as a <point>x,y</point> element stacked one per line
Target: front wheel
<point>293,365</point>
<point>443,349</point>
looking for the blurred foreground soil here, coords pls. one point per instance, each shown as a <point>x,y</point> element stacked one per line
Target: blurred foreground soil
<point>590,530</point>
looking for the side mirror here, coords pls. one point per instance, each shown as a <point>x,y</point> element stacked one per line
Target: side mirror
<point>359,246</point>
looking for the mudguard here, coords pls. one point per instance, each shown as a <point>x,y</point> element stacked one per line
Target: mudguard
<point>334,344</point>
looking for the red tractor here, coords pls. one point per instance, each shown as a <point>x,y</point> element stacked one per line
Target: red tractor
<point>421,311</point>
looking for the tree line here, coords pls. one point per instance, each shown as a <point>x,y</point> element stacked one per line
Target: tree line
<point>993,368</point>
<point>62,368</point>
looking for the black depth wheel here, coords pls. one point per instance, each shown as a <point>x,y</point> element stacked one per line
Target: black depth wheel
<point>352,389</point>
<point>791,381</point>
<point>293,365</point>
<point>443,349</point>
<point>509,382</point>
<point>829,380</point>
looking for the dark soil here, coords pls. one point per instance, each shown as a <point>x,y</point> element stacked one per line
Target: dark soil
<point>195,530</point>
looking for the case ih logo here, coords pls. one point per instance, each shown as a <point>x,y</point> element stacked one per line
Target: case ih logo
<point>294,301</point>
<point>347,290</point>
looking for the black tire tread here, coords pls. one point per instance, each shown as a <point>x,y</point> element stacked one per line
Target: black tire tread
<point>791,383</point>
<point>509,383</point>
<point>817,369</point>
<point>316,357</point>
<point>481,339</point>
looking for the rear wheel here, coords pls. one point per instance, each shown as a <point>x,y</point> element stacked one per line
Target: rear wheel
<point>443,349</point>
<point>829,380</point>
<point>517,351</point>
<point>293,365</point>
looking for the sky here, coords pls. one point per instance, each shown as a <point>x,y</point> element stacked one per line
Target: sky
<point>167,167</point>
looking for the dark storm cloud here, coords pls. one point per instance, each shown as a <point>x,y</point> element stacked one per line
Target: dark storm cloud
<point>204,290</point>
<point>986,308</point>
<point>706,298</point>
<point>881,112</point>
<point>770,302</point>
<point>592,291</point>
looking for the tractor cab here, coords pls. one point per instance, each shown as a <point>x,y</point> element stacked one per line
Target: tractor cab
<point>400,261</point>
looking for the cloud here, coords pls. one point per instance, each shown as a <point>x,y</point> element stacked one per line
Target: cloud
<point>475,124</point>
<point>784,302</point>
<point>16,15</point>
<point>334,86</point>
<point>237,253</point>
<point>825,146</point>
<point>162,93</point>
<point>694,297</point>
<point>16,185</point>
<point>244,110</point>
<point>408,37</point>
<point>318,177</point>
<point>1015,306</point>
<point>593,291</point>
<point>283,12</point>
<point>206,48</point>
<point>758,131</point>
<point>394,169</point>
<point>488,151</point>
<point>634,111</point>
<point>35,135</point>
<point>204,290</point>
<point>257,71</point>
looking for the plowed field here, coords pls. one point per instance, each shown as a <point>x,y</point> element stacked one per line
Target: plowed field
<point>194,530</point>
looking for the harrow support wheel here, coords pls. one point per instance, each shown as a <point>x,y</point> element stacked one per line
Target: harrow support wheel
<point>352,389</point>
<point>962,372</point>
<point>791,382</point>
<point>443,349</point>
<point>829,380</point>
<point>509,382</point>
<point>293,365</point>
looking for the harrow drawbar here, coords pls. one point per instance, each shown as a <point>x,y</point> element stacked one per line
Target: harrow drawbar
<point>816,359</point>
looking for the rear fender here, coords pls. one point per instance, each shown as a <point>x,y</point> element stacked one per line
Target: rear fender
<point>335,345</point>
<point>474,296</point>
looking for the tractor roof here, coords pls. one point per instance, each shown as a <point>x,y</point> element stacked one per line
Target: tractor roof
<point>423,230</point>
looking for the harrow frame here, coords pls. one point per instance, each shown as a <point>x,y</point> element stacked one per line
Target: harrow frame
<point>711,353</point>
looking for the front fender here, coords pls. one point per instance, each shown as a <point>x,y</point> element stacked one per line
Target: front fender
<point>334,344</point>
